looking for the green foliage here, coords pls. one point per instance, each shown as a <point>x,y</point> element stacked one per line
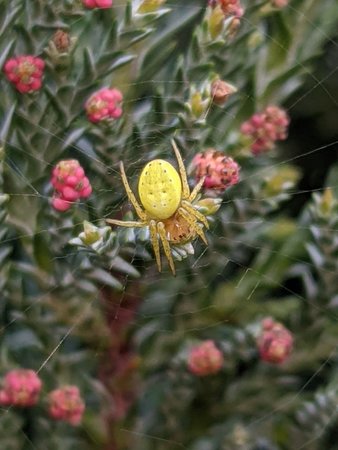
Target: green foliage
<point>68,282</point>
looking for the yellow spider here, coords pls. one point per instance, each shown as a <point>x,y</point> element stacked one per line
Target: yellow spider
<point>168,209</point>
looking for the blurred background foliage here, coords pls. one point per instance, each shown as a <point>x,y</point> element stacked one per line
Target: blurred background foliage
<point>100,316</point>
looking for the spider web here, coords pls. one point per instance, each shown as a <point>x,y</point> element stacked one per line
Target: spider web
<point>200,260</point>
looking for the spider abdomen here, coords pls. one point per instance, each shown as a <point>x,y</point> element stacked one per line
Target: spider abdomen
<point>160,189</point>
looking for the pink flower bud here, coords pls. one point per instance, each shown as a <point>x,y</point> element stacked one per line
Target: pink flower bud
<point>104,105</point>
<point>62,41</point>
<point>205,359</point>
<point>25,72</point>
<point>70,194</point>
<point>85,192</point>
<point>90,4</point>
<point>70,184</point>
<point>83,183</point>
<point>275,342</point>
<point>220,171</point>
<point>221,91</point>
<point>60,204</point>
<point>72,180</point>
<point>21,387</point>
<point>66,404</point>
<point>265,128</point>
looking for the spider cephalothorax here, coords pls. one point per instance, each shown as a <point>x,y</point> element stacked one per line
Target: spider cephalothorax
<point>168,208</point>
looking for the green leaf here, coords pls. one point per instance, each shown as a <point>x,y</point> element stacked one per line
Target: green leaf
<point>6,51</point>
<point>6,123</point>
<point>73,136</point>
<point>42,253</point>
<point>89,72</point>
<point>120,265</point>
<point>280,41</point>
<point>131,37</point>
<point>128,13</point>
<point>110,62</point>
<point>23,339</point>
<point>103,277</point>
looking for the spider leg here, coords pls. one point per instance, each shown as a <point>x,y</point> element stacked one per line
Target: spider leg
<point>155,243</point>
<point>187,206</point>
<point>166,246</point>
<point>196,190</point>
<point>183,173</point>
<point>192,221</point>
<point>131,195</point>
<point>127,223</point>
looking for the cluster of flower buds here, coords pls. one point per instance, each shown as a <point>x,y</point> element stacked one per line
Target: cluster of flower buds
<point>265,128</point>
<point>205,359</point>
<point>66,404</point>
<point>21,387</point>
<point>91,4</point>
<point>220,171</point>
<point>275,342</point>
<point>104,104</point>
<point>70,184</point>
<point>25,72</point>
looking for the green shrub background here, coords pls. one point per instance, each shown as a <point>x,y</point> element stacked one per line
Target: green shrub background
<point>102,317</point>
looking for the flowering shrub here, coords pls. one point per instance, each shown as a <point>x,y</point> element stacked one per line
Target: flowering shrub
<point>70,184</point>
<point>82,301</point>
<point>25,72</point>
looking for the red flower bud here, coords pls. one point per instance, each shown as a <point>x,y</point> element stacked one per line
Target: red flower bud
<point>221,91</point>
<point>61,41</point>
<point>70,184</point>
<point>66,404</point>
<point>90,4</point>
<point>275,342</point>
<point>21,387</point>
<point>25,72</point>
<point>103,105</point>
<point>220,171</point>
<point>265,128</point>
<point>205,359</point>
